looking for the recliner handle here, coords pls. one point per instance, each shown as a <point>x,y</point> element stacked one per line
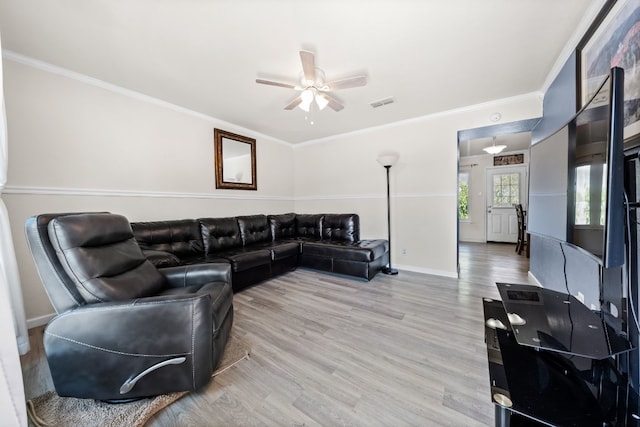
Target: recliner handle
<point>130,383</point>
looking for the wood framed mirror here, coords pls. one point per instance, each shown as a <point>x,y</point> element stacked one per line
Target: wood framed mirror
<point>235,159</point>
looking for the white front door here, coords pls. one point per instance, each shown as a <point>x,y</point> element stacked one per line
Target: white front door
<point>505,187</point>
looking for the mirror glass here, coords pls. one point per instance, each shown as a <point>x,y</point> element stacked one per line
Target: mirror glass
<point>235,161</point>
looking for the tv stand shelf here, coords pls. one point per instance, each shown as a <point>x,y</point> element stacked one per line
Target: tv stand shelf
<point>564,377</point>
<point>556,321</point>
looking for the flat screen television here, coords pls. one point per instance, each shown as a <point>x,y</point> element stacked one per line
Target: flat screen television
<point>595,195</point>
<point>576,177</point>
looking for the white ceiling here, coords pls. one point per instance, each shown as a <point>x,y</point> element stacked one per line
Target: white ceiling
<point>429,55</point>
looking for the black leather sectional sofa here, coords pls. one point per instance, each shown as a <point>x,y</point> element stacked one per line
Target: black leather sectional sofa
<point>259,246</point>
<point>146,308</point>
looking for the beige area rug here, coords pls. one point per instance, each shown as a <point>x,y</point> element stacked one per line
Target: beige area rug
<point>49,409</point>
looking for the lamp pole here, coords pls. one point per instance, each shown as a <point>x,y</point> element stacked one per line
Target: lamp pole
<point>389,270</point>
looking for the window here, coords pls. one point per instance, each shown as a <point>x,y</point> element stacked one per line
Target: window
<point>506,190</point>
<point>463,195</point>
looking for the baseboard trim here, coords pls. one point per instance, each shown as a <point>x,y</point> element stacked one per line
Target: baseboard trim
<point>39,321</point>
<point>431,271</point>
<point>534,279</point>
<point>473,241</point>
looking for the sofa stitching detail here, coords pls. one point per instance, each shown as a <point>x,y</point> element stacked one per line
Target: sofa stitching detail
<point>84,344</point>
<point>133,302</point>
<point>193,346</point>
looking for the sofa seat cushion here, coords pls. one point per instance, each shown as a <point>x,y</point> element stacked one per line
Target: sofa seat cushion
<point>378,246</point>
<point>362,251</point>
<point>221,298</point>
<point>242,259</point>
<point>204,260</point>
<point>280,250</point>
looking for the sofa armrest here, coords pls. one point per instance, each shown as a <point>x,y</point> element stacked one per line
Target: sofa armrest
<point>197,274</point>
<point>141,343</point>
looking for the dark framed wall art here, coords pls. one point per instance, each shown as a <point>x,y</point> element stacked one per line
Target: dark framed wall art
<point>614,43</point>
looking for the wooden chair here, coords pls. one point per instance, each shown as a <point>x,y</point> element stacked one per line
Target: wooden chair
<point>522,229</point>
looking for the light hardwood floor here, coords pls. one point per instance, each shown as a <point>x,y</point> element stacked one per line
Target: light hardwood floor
<point>333,351</point>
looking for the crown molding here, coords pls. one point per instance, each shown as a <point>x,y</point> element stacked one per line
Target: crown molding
<point>110,87</point>
<point>572,43</point>
<point>470,108</point>
<point>91,81</point>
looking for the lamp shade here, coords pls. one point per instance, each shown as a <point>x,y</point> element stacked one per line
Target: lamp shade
<point>387,159</point>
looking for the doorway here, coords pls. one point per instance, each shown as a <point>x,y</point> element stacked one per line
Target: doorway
<point>505,187</point>
<point>471,142</point>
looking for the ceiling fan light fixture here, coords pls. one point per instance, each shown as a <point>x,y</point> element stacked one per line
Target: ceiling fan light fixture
<point>305,106</point>
<point>306,96</point>
<point>313,86</point>
<point>322,101</point>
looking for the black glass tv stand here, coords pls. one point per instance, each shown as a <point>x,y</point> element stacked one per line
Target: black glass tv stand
<point>551,362</point>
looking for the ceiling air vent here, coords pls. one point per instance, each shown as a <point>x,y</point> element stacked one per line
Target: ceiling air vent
<point>381,102</point>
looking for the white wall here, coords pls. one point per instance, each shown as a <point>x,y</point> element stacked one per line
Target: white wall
<point>341,174</point>
<point>78,146</point>
<point>75,146</point>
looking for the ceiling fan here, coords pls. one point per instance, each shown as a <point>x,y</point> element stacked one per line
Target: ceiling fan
<point>313,87</point>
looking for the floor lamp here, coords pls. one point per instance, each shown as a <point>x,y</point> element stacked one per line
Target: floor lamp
<point>387,161</point>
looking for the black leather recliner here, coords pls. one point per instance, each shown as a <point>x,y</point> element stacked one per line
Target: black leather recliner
<point>125,329</point>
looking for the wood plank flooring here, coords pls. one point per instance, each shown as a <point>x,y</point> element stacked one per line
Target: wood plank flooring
<point>404,350</point>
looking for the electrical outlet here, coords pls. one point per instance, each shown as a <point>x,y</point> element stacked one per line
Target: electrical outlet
<point>404,251</point>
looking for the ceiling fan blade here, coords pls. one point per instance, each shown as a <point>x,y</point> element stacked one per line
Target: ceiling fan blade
<point>334,104</point>
<point>293,104</point>
<point>308,65</point>
<point>348,82</point>
<point>272,83</point>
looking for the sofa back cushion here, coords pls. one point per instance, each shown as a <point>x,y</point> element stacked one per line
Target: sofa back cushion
<point>180,237</point>
<point>254,229</point>
<point>220,234</point>
<point>100,254</point>
<point>341,227</point>
<point>283,226</point>
<point>309,225</point>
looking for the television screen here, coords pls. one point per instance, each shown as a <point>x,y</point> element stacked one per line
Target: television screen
<point>596,174</point>
<point>576,181</point>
